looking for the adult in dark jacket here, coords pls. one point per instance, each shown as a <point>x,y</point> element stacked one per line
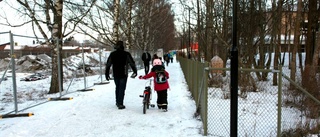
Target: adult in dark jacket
<point>166,58</point>
<point>119,60</point>
<point>146,57</point>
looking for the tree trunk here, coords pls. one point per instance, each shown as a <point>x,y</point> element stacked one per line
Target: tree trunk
<point>116,20</point>
<point>209,28</point>
<point>296,43</point>
<point>309,72</point>
<point>129,18</point>
<point>200,50</point>
<point>147,37</point>
<point>277,33</point>
<point>57,37</point>
<point>312,24</point>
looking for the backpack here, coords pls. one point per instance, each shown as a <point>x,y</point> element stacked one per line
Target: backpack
<point>160,77</point>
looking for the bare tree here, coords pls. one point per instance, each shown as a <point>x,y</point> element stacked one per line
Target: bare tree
<point>153,25</point>
<point>47,17</point>
<point>136,22</point>
<point>100,21</point>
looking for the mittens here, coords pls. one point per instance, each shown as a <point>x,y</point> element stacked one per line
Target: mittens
<point>107,77</point>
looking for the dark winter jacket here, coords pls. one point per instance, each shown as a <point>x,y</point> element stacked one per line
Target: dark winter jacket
<point>119,60</point>
<point>166,57</point>
<point>158,87</point>
<point>146,57</point>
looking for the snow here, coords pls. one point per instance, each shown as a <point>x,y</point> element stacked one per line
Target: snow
<point>94,113</point>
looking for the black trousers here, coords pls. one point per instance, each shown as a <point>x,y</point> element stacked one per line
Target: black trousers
<point>162,100</point>
<point>146,67</point>
<point>121,84</point>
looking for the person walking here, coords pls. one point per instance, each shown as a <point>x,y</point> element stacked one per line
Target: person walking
<point>161,84</point>
<point>120,60</point>
<point>171,56</point>
<point>166,58</point>
<point>146,58</point>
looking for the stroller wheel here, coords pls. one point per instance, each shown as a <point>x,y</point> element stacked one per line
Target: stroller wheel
<point>152,105</point>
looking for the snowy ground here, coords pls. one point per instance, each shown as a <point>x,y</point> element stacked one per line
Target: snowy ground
<point>94,114</point>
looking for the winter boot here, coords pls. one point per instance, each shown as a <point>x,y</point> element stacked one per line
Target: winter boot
<point>121,106</point>
<point>165,108</point>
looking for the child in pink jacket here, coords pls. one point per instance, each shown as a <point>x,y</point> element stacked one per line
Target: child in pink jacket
<point>160,87</point>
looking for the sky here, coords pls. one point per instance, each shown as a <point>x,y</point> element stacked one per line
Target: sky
<point>27,31</point>
<point>94,113</point>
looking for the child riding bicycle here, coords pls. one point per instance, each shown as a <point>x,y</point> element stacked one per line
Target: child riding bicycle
<point>161,84</point>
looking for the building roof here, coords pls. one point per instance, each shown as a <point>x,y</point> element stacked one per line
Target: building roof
<point>21,47</point>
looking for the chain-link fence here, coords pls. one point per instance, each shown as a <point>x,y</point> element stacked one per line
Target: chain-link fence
<point>265,101</point>
<point>301,102</point>
<point>26,72</point>
<point>257,104</point>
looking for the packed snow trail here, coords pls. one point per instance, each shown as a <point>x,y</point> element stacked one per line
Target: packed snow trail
<point>94,113</point>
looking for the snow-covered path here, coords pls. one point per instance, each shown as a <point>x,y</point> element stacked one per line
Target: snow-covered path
<point>94,114</point>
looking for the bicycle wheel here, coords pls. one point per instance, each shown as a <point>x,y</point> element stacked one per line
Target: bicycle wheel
<point>148,101</point>
<point>145,104</point>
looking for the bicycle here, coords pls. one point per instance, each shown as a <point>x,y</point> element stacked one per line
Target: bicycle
<point>147,95</point>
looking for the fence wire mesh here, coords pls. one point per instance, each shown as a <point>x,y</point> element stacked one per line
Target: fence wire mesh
<point>257,104</point>
<point>300,104</point>
<point>270,103</point>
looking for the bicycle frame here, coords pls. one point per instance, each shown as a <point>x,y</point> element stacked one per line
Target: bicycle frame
<point>147,95</point>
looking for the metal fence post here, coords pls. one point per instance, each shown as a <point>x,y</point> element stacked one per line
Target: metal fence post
<point>205,95</point>
<point>279,101</point>
<point>14,84</point>
<point>84,72</point>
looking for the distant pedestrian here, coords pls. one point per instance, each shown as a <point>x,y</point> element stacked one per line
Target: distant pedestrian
<point>171,56</point>
<point>146,58</point>
<point>119,60</point>
<point>162,62</point>
<point>166,59</point>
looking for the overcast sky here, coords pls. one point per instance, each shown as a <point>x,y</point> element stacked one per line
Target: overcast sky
<point>26,30</point>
